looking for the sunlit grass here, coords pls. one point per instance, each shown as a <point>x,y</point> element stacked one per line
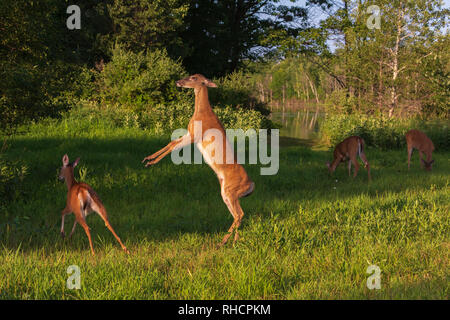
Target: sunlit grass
<point>305,234</point>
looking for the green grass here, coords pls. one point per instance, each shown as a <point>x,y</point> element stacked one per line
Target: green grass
<point>305,234</point>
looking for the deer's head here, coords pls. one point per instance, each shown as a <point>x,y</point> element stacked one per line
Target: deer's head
<point>428,164</point>
<point>196,81</point>
<point>67,168</point>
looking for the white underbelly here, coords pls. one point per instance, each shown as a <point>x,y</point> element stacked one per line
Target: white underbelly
<point>214,154</point>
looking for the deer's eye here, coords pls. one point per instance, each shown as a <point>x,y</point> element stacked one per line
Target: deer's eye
<point>194,78</point>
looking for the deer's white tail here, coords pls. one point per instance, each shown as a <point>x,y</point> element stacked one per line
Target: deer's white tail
<point>361,151</point>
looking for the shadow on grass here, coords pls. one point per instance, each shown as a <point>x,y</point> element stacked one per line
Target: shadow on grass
<point>166,200</point>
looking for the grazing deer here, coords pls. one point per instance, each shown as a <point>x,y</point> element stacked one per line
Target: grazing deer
<point>233,179</point>
<point>82,200</point>
<point>349,149</point>
<point>416,139</point>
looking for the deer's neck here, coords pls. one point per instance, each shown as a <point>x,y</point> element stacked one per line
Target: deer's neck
<point>70,182</point>
<point>201,101</point>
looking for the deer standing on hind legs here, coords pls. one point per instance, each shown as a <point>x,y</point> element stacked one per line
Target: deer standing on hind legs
<point>82,200</point>
<point>349,149</point>
<point>416,139</point>
<point>216,150</point>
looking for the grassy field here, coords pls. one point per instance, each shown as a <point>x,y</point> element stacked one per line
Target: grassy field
<point>305,234</point>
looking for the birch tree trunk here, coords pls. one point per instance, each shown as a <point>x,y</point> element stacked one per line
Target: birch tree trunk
<point>394,64</point>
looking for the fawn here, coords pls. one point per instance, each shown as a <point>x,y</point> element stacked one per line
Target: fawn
<point>82,200</point>
<point>416,139</point>
<point>349,149</point>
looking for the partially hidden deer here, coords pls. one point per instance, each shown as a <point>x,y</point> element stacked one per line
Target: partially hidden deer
<point>350,149</point>
<point>233,179</point>
<point>416,139</point>
<point>82,200</point>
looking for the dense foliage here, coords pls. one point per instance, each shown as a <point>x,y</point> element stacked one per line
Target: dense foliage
<point>45,67</point>
<point>399,68</point>
<point>382,132</point>
<point>136,80</point>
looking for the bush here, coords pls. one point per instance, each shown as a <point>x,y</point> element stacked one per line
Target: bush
<point>11,178</point>
<point>380,132</point>
<point>233,118</point>
<point>136,80</point>
<point>158,119</point>
<point>237,90</point>
<point>26,93</point>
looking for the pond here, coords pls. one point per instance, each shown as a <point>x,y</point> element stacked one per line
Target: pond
<point>298,124</point>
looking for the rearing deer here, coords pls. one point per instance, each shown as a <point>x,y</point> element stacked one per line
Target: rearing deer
<point>416,139</point>
<point>349,149</point>
<point>234,181</point>
<point>82,200</point>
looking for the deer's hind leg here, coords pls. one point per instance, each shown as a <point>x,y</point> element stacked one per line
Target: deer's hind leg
<point>64,212</point>
<point>73,228</point>
<point>81,211</point>
<point>421,159</point>
<point>238,209</point>
<point>80,218</point>
<point>235,214</point>
<point>102,213</point>
<point>231,197</point>
<point>410,151</point>
<point>363,157</point>
<point>355,164</point>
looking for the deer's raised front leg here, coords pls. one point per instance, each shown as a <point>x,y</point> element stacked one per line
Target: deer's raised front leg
<point>174,145</point>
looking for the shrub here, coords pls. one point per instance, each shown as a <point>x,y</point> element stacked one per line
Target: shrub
<point>233,118</point>
<point>158,119</point>
<point>26,93</point>
<point>11,178</point>
<point>136,80</point>
<point>380,132</point>
<point>237,90</point>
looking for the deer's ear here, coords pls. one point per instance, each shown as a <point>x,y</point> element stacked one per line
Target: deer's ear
<point>210,84</point>
<point>75,163</point>
<point>65,160</point>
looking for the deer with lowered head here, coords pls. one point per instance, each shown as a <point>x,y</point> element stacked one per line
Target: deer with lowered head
<point>416,139</point>
<point>82,200</point>
<point>349,149</point>
<point>216,150</point>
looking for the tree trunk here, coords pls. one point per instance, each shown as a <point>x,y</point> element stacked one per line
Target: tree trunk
<point>380,85</point>
<point>395,69</point>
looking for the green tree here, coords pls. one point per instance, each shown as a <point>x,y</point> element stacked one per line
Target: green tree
<point>221,35</point>
<point>147,24</point>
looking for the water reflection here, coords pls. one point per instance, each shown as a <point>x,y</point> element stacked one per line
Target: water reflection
<point>298,124</point>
